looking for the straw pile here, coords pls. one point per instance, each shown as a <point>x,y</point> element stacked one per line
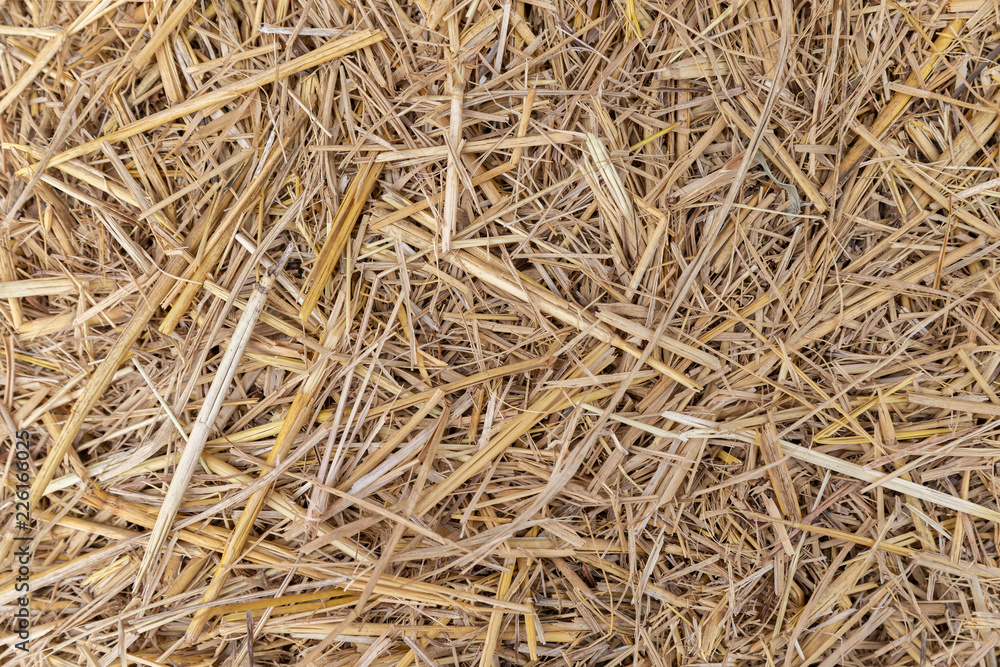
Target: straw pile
<point>492,333</point>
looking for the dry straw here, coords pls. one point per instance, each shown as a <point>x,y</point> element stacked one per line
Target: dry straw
<point>607,333</point>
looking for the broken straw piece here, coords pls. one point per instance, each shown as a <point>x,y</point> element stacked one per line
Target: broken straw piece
<point>206,417</point>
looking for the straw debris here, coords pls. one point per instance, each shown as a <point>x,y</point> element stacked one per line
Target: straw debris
<point>512,333</point>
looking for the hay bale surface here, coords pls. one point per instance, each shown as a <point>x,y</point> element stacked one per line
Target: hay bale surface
<point>523,332</point>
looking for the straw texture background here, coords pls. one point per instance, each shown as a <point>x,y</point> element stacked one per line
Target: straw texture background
<point>501,332</point>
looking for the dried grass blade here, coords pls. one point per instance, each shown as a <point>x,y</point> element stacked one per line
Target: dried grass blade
<point>335,49</point>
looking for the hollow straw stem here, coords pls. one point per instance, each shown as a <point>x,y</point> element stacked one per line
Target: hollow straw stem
<point>206,416</point>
